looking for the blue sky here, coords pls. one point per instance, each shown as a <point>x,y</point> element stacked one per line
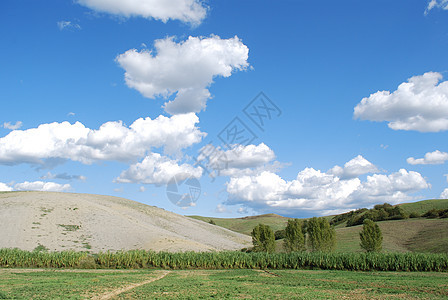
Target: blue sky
<point>361,86</point>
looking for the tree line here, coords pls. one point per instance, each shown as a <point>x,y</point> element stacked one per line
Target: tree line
<point>316,233</point>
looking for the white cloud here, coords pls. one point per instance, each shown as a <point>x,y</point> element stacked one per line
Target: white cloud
<point>184,69</point>
<point>10,126</point>
<point>5,188</point>
<point>321,192</point>
<point>189,11</point>
<point>444,194</point>
<point>431,158</point>
<point>239,160</point>
<point>63,176</point>
<point>141,189</point>
<point>112,141</point>
<point>443,4</point>
<point>420,104</point>
<point>354,168</point>
<point>65,25</point>
<point>158,170</point>
<point>221,209</point>
<point>242,210</point>
<point>71,114</point>
<point>41,186</point>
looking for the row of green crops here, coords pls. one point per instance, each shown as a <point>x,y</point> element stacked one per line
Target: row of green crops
<point>226,260</point>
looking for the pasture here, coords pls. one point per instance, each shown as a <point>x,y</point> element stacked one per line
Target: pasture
<point>219,284</point>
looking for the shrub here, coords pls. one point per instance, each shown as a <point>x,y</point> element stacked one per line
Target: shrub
<point>431,214</point>
<point>414,215</point>
<point>371,236</point>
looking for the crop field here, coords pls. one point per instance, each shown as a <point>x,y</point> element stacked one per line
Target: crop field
<point>140,259</point>
<point>220,284</point>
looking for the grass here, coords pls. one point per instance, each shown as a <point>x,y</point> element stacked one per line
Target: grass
<point>422,207</point>
<point>409,235</point>
<point>37,284</point>
<point>223,284</point>
<point>136,259</point>
<point>246,224</point>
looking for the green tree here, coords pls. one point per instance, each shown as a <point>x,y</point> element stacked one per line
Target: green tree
<point>294,238</point>
<point>279,234</point>
<point>321,236</point>
<point>371,236</point>
<point>263,239</point>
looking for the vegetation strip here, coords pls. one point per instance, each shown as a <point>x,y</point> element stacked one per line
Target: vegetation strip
<point>140,259</point>
<point>119,291</point>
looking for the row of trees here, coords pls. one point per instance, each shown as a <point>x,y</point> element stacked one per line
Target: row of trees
<point>317,233</point>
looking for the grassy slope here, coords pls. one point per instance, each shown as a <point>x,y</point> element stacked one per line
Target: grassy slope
<point>419,235</point>
<point>245,225</point>
<point>422,207</point>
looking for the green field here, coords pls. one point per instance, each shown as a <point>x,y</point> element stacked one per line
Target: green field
<point>409,235</point>
<point>422,207</point>
<point>246,224</point>
<point>220,284</point>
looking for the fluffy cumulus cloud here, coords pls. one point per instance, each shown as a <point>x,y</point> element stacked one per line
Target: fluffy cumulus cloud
<point>239,160</point>
<point>354,168</point>
<point>221,209</point>
<point>443,4</point>
<point>323,192</point>
<point>189,11</point>
<point>10,126</point>
<point>41,186</point>
<point>431,158</point>
<point>419,104</point>
<point>157,169</point>
<point>184,69</point>
<point>112,141</point>
<point>5,188</point>
<point>444,194</point>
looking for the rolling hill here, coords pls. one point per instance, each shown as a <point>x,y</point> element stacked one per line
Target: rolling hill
<point>246,224</point>
<point>416,235</point>
<point>84,222</point>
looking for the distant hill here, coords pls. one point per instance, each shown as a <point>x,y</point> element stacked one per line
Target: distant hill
<point>246,224</point>
<point>422,207</point>
<point>414,235</point>
<point>417,235</point>
<point>83,222</point>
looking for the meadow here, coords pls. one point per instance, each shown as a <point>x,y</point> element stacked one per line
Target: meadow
<point>219,284</point>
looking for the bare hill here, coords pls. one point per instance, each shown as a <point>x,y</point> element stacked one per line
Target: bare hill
<point>63,221</point>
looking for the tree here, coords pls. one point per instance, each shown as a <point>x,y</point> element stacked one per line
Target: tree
<point>321,236</point>
<point>371,236</point>
<point>294,238</point>
<point>263,239</point>
<point>212,222</point>
<point>279,234</point>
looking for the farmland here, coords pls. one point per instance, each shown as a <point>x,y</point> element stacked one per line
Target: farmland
<point>188,284</point>
<point>408,235</point>
<point>136,259</point>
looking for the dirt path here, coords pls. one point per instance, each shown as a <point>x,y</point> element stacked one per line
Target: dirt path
<point>117,292</point>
